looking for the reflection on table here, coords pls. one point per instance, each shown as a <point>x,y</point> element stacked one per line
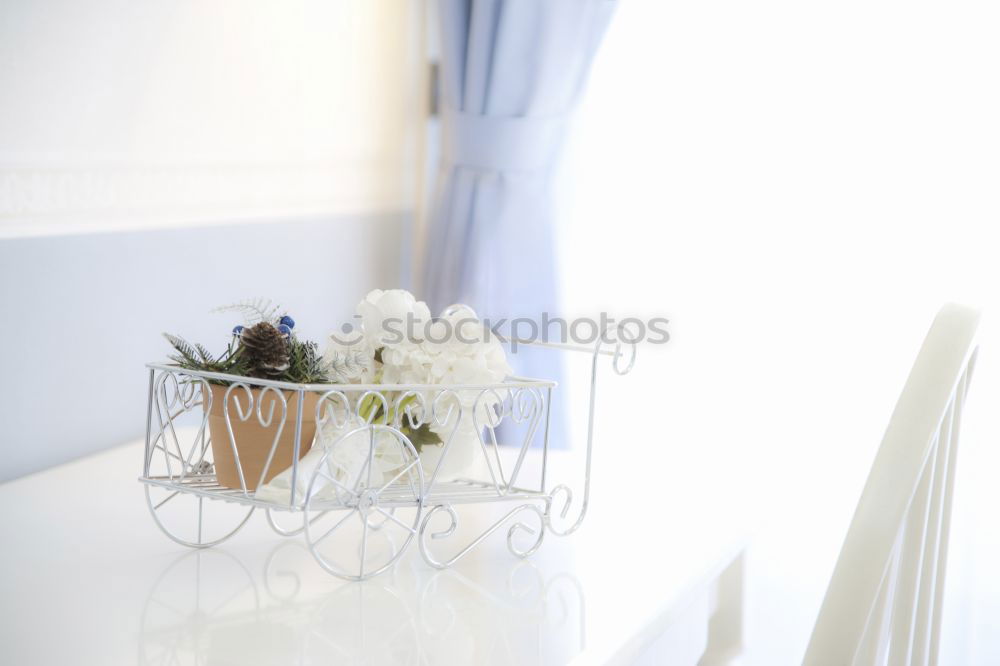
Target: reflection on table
<point>208,607</point>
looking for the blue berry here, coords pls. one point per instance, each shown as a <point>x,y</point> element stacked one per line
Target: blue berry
<point>285,329</point>
<point>237,330</point>
<point>287,321</point>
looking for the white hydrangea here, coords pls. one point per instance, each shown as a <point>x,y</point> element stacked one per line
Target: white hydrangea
<point>385,313</point>
<point>456,350</point>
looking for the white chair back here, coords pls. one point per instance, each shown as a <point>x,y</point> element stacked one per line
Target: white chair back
<point>883,605</point>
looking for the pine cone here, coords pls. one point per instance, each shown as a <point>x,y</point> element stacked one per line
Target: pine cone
<point>265,350</point>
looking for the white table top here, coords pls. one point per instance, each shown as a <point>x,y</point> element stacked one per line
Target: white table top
<point>87,578</point>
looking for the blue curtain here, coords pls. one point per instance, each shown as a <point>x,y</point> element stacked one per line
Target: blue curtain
<point>511,73</point>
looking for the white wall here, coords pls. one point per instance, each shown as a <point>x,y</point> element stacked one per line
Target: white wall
<point>160,158</point>
<point>117,114</point>
<point>84,313</point>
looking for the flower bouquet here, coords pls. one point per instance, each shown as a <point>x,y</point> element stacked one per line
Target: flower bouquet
<point>399,344</point>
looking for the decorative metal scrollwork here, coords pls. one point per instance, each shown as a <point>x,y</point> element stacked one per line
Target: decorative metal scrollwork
<point>516,528</point>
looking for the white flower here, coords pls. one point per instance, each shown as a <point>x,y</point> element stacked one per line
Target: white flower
<point>349,456</point>
<point>386,318</point>
<point>458,350</point>
<point>455,349</point>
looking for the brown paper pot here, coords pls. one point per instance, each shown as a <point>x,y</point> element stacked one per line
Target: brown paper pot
<point>253,441</point>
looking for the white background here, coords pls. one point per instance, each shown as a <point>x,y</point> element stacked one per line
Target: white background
<point>799,186</point>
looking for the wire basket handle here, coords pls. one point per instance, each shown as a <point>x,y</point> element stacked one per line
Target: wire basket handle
<point>622,349</point>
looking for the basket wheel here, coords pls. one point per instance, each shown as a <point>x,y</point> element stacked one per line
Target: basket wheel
<point>358,523</point>
<point>278,523</point>
<point>195,521</point>
<point>190,519</point>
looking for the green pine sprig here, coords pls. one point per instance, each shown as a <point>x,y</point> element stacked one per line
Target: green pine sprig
<point>305,365</point>
<point>197,357</point>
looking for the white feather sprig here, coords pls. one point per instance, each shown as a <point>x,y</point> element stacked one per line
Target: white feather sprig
<point>254,310</point>
<point>348,364</point>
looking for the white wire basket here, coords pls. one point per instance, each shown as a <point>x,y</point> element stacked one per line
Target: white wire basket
<point>359,490</point>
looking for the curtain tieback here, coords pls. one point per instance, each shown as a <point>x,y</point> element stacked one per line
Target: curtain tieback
<point>501,143</point>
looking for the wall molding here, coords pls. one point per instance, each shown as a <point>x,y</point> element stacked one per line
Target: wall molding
<point>47,197</point>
